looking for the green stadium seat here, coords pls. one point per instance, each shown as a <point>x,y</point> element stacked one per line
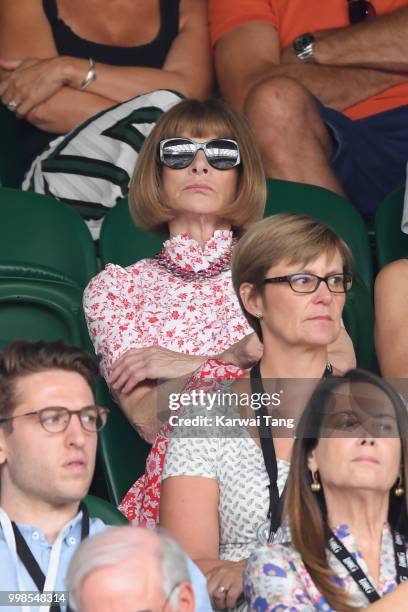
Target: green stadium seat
<point>326,206</point>
<point>38,230</point>
<point>100,508</point>
<point>47,257</point>
<point>122,451</point>
<point>392,244</point>
<point>121,242</point>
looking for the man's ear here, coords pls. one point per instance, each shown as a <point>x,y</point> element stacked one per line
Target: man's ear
<point>186,599</point>
<point>3,446</point>
<point>251,299</point>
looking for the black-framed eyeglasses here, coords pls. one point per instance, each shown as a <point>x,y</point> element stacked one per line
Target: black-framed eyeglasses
<point>179,153</point>
<point>359,10</point>
<point>309,283</point>
<point>55,419</point>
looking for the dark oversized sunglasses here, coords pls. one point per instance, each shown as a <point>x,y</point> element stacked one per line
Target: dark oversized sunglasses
<point>179,153</point>
<point>359,10</point>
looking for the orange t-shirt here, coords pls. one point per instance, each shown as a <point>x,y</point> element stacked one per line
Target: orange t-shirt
<point>294,17</point>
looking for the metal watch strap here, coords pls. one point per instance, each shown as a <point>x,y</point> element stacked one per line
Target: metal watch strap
<point>307,55</point>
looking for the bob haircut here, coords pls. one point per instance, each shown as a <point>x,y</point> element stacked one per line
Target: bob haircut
<point>306,511</point>
<point>199,120</point>
<point>295,239</point>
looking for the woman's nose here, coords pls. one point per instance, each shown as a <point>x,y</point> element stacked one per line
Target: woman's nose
<point>200,164</point>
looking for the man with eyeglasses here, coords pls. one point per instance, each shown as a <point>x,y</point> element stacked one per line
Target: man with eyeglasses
<point>324,85</point>
<point>130,569</point>
<point>48,437</point>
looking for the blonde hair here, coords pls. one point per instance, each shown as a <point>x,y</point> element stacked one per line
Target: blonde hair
<point>197,119</point>
<point>283,237</point>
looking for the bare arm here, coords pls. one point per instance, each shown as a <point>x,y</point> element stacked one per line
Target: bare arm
<point>335,86</point>
<point>391,307</point>
<point>52,75</point>
<point>378,43</point>
<point>67,109</point>
<point>187,68</point>
<point>189,512</point>
<point>147,406</point>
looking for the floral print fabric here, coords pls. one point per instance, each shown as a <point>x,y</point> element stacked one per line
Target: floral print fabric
<point>143,305</point>
<point>276,579</point>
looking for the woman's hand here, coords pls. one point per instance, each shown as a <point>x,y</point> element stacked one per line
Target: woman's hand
<point>150,363</point>
<point>244,353</point>
<point>25,84</point>
<point>225,584</point>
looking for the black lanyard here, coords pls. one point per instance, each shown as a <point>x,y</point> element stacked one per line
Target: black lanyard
<point>30,562</point>
<point>341,553</point>
<point>268,450</point>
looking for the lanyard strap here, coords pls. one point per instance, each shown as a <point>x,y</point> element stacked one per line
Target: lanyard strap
<point>268,449</point>
<point>18,547</point>
<point>354,569</point>
<point>268,452</point>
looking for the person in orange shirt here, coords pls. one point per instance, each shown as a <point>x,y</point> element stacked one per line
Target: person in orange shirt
<point>324,86</point>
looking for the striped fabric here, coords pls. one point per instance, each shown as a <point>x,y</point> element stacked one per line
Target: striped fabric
<point>90,168</point>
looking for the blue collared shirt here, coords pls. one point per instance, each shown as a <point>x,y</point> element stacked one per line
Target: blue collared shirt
<point>41,550</point>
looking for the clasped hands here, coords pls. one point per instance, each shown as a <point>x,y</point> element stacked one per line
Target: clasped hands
<point>25,84</point>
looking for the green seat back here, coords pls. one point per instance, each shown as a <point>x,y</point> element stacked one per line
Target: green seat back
<point>11,167</point>
<point>122,451</point>
<point>121,242</point>
<point>100,508</point>
<point>39,311</point>
<point>40,231</point>
<point>392,244</point>
<point>285,196</point>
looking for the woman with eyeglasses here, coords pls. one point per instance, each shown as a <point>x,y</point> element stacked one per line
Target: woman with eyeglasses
<point>199,178</point>
<point>345,506</point>
<point>222,482</point>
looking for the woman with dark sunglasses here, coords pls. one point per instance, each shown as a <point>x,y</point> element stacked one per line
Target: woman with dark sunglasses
<point>223,477</point>
<point>345,506</point>
<point>199,178</point>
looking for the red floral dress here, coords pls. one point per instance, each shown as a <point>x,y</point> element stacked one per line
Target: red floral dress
<point>141,504</point>
<point>143,305</point>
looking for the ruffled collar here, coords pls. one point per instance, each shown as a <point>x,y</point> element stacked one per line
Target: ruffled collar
<point>187,253</point>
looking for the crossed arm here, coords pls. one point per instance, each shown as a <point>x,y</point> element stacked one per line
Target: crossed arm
<point>47,85</point>
<point>352,63</point>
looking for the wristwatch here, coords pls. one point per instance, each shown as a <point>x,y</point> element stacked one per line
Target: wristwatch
<point>303,46</point>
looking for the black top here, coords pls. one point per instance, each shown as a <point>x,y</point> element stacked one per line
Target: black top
<point>151,55</point>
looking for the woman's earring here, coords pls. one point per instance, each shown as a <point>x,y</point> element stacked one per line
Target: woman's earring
<point>315,485</point>
<point>399,489</point>
<point>259,315</point>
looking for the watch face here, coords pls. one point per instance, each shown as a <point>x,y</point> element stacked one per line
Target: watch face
<point>301,42</point>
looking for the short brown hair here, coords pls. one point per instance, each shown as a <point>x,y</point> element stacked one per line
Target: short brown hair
<point>198,119</point>
<point>24,357</point>
<point>290,237</point>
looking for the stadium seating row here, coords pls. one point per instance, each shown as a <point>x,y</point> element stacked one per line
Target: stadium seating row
<point>47,257</point>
